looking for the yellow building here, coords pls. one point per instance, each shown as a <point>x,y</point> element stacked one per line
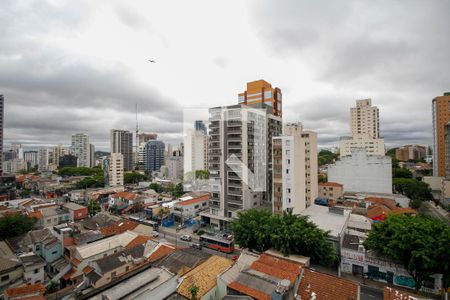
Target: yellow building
<point>260,91</point>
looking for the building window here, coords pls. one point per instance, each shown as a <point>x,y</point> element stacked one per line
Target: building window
<point>36,271</point>
<point>5,278</point>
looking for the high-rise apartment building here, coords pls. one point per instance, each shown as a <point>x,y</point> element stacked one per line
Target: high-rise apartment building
<point>18,150</point>
<point>43,160</point>
<point>407,152</point>
<point>2,106</point>
<point>441,116</point>
<point>364,119</point>
<point>365,128</point>
<point>31,157</point>
<point>57,153</point>
<point>261,92</point>
<point>81,149</point>
<point>175,166</point>
<point>447,151</point>
<point>295,177</point>
<point>195,150</point>
<point>122,142</point>
<point>154,155</point>
<point>200,126</point>
<point>92,161</point>
<point>240,160</point>
<point>116,169</point>
<point>145,137</point>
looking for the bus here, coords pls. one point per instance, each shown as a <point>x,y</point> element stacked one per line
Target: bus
<point>217,243</point>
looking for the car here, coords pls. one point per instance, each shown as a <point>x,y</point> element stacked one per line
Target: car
<point>234,258</point>
<point>155,233</point>
<point>181,226</point>
<point>196,246</point>
<point>185,237</point>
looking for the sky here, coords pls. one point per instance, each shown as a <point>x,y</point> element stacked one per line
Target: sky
<point>82,66</point>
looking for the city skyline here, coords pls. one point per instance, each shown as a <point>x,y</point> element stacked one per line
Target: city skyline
<point>69,75</point>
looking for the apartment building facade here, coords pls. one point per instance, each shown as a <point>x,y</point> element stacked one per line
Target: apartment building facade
<point>122,142</point>
<point>441,116</point>
<point>81,149</point>
<point>116,169</point>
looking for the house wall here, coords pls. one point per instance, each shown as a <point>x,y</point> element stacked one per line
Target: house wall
<point>108,277</point>
<point>55,220</point>
<point>34,275</point>
<point>8,277</point>
<point>52,254</point>
<point>400,276</point>
<point>79,214</point>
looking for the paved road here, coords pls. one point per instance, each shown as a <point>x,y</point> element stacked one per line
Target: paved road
<point>430,209</point>
<point>370,293</point>
<point>174,238</point>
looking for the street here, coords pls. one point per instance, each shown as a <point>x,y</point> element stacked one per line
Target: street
<point>370,293</point>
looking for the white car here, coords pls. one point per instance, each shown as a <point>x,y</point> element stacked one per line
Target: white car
<point>155,234</point>
<point>185,237</point>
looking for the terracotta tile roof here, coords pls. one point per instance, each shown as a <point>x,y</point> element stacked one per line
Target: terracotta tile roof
<point>378,212</point>
<point>334,184</point>
<point>35,214</point>
<point>69,274</point>
<point>24,290</point>
<point>384,201</point>
<point>139,240</point>
<point>161,252</point>
<point>68,241</point>
<point>326,287</point>
<point>204,276</point>
<point>404,210</point>
<point>243,289</point>
<point>192,201</point>
<point>125,195</point>
<point>118,227</point>
<point>87,270</point>
<point>75,261</point>
<point>277,267</point>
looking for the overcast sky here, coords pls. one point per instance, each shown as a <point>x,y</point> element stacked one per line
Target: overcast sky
<point>81,66</point>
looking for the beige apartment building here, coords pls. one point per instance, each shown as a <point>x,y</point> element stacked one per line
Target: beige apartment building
<point>295,177</point>
<point>116,169</point>
<point>441,116</point>
<point>365,119</point>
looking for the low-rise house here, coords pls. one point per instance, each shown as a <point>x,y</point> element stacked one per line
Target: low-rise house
<point>331,190</point>
<point>267,277</point>
<point>100,221</point>
<point>54,215</point>
<point>33,291</point>
<point>204,277</point>
<point>42,242</point>
<point>183,260</point>
<point>11,270</point>
<point>33,268</point>
<point>77,211</point>
<point>189,207</point>
<point>356,260</point>
<point>316,285</point>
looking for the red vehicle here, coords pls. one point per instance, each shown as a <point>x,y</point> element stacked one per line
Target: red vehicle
<point>217,243</point>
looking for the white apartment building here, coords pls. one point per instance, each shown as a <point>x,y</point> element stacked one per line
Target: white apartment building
<point>43,160</point>
<point>195,150</point>
<point>116,169</point>
<point>175,166</point>
<point>31,157</point>
<point>372,146</point>
<point>14,166</point>
<point>240,160</point>
<point>81,149</point>
<point>295,177</point>
<point>364,119</point>
<point>363,173</point>
<point>57,152</point>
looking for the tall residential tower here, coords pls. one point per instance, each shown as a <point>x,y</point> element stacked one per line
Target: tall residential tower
<point>122,142</point>
<point>81,149</point>
<point>441,116</point>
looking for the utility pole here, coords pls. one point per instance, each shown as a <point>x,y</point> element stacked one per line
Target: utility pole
<point>136,144</point>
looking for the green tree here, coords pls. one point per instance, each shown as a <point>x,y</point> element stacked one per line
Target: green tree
<point>178,191</point>
<point>252,229</point>
<point>326,157</point>
<point>90,182</point>
<point>201,174</point>
<point>93,207</point>
<point>412,188</point>
<point>52,287</point>
<point>193,290</point>
<point>15,225</point>
<point>134,177</point>
<point>80,171</point>
<point>401,173</point>
<point>156,187</point>
<point>420,244</point>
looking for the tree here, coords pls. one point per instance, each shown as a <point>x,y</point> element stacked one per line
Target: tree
<point>93,207</point>
<point>419,243</point>
<point>201,174</point>
<point>91,182</point>
<point>193,289</point>
<point>15,225</point>
<point>156,187</point>
<point>401,173</point>
<point>52,287</point>
<point>178,191</point>
<point>326,157</point>
<point>80,171</point>
<point>412,188</point>
<point>290,234</point>
<point>133,177</point>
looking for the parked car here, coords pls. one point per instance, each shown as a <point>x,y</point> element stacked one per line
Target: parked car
<point>186,237</point>
<point>181,226</point>
<point>196,246</point>
<point>155,233</point>
<point>234,258</point>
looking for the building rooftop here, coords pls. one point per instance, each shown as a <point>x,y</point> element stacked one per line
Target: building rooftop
<point>24,242</point>
<point>100,220</point>
<point>326,220</point>
<point>192,200</point>
<point>5,251</point>
<point>118,227</point>
<point>183,260</point>
<point>53,211</point>
<point>121,258</point>
<point>204,276</point>
<point>8,263</point>
<point>120,240</point>
<point>333,184</point>
<point>326,287</point>
<point>73,206</point>
<point>28,260</point>
<point>25,291</point>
